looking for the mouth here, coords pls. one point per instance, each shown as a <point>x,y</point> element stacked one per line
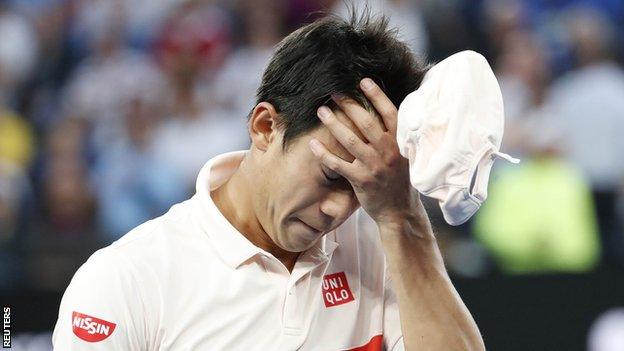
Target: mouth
<point>311,227</point>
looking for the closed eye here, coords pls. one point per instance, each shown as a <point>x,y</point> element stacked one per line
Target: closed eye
<point>331,179</point>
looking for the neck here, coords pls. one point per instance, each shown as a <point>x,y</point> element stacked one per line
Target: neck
<point>234,201</point>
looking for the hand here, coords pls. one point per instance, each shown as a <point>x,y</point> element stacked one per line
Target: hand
<point>379,174</point>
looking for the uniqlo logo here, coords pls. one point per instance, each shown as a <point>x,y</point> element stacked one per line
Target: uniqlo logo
<point>336,289</point>
<point>91,329</point>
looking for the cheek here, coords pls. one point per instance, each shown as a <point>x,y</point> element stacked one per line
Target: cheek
<point>298,183</point>
<point>299,196</point>
<point>301,201</point>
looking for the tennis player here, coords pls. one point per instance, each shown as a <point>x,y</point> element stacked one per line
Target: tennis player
<point>313,239</point>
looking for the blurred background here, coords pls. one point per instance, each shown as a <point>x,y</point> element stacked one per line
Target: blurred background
<point>108,109</point>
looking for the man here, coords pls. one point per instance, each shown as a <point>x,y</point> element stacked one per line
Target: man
<point>272,252</point>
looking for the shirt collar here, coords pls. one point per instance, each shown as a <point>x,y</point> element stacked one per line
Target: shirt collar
<point>233,247</point>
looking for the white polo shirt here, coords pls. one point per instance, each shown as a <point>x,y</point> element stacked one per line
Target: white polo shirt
<point>188,280</point>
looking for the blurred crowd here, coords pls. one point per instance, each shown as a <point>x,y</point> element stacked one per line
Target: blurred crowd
<point>108,109</point>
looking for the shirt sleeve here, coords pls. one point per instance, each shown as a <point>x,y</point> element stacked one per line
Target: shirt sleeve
<point>101,308</point>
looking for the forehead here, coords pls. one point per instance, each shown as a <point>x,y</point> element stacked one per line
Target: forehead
<point>332,144</point>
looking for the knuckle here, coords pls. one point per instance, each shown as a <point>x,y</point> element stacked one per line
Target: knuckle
<point>326,159</point>
<point>368,125</point>
<point>369,152</point>
<point>332,164</point>
<point>351,140</point>
<point>392,159</point>
<point>366,182</point>
<point>377,172</point>
<point>386,139</point>
<point>389,110</point>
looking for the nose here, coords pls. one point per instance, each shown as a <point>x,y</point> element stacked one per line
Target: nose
<point>339,204</point>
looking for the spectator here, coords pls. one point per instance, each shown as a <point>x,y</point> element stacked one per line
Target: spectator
<point>67,198</point>
<point>131,184</point>
<point>524,76</point>
<point>100,86</point>
<point>18,50</point>
<point>13,185</point>
<point>65,233</point>
<point>539,215</point>
<point>404,15</point>
<point>197,128</point>
<point>264,24</point>
<point>16,140</point>
<point>14,190</point>
<point>503,18</point>
<point>588,106</point>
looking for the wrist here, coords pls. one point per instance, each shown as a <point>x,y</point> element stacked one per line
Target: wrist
<point>411,214</point>
<point>413,224</point>
<point>410,238</point>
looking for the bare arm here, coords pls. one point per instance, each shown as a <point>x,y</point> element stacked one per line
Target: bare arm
<point>433,316</point>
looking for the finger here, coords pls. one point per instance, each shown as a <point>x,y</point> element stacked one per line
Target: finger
<point>333,162</point>
<point>345,136</point>
<point>382,103</point>
<point>370,126</point>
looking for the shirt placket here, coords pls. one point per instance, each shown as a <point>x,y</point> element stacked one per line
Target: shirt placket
<point>299,293</point>
<point>293,314</point>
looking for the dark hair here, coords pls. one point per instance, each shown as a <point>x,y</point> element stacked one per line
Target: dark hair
<point>331,56</point>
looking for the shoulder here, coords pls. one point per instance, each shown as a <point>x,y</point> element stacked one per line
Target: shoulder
<point>157,236</point>
<point>122,284</point>
<point>103,299</point>
<point>131,259</point>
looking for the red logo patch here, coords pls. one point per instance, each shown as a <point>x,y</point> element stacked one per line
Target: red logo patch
<point>91,329</point>
<point>336,289</point>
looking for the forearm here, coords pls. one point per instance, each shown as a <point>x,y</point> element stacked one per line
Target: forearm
<point>433,316</point>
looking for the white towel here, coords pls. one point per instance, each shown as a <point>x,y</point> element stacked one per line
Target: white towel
<point>451,129</point>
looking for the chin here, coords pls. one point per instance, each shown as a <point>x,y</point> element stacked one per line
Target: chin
<point>297,245</point>
<point>305,244</point>
<point>302,248</point>
<point>299,241</point>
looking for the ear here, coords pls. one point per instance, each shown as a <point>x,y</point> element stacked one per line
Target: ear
<point>263,125</point>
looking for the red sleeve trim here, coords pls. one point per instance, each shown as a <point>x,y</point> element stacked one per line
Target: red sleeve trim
<point>375,344</point>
